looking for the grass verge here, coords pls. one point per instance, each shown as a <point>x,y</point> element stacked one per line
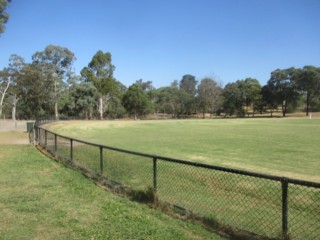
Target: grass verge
<point>42,199</point>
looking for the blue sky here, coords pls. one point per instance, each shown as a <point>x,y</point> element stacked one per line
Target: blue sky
<point>161,40</point>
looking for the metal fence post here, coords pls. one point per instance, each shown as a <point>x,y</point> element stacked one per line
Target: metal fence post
<point>71,150</point>
<point>39,135</point>
<point>284,185</point>
<point>101,160</point>
<point>45,139</point>
<point>155,183</point>
<point>55,144</point>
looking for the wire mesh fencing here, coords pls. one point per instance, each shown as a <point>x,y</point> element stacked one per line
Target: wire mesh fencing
<point>244,203</point>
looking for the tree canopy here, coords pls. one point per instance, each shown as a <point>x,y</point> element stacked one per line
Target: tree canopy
<point>4,16</point>
<point>100,73</point>
<point>47,86</point>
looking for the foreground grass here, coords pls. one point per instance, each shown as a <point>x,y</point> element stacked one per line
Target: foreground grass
<point>284,147</point>
<point>41,199</point>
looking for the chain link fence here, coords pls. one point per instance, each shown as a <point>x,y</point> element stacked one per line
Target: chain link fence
<point>238,202</point>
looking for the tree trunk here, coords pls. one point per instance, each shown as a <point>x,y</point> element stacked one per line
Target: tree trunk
<point>101,107</point>
<point>3,93</point>
<point>172,107</point>
<point>56,113</point>
<point>307,104</point>
<point>14,107</point>
<point>284,108</point>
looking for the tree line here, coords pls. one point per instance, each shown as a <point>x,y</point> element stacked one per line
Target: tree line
<point>47,86</point>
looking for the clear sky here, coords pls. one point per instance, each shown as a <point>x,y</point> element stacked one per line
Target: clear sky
<point>161,40</point>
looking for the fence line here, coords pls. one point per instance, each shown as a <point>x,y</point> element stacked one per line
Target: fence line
<point>261,205</point>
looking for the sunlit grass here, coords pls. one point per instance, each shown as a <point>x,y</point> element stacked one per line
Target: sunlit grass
<point>244,202</point>
<point>285,147</point>
<point>42,199</point>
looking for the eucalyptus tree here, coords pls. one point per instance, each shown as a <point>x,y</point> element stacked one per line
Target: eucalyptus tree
<point>33,93</point>
<point>4,16</point>
<point>100,73</point>
<point>308,82</point>
<point>208,96</point>
<point>187,95</point>
<point>233,100</point>
<point>168,100</point>
<point>55,62</point>
<point>136,101</point>
<point>5,82</point>
<point>250,90</point>
<point>16,65</point>
<point>188,83</point>
<point>83,99</point>
<point>284,88</point>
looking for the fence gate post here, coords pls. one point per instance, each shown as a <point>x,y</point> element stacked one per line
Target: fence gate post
<point>284,185</point>
<point>101,160</point>
<point>71,150</point>
<point>155,183</point>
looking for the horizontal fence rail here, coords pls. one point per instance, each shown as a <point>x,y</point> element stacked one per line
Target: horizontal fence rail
<point>237,201</point>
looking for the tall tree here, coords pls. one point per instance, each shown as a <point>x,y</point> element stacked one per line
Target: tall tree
<point>250,89</point>
<point>208,95</point>
<point>269,99</point>
<point>5,82</point>
<point>168,100</point>
<point>284,88</point>
<point>136,101</point>
<point>16,65</point>
<point>187,92</point>
<point>188,83</point>
<point>100,73</point>
<point>308,81</point>
<point>56,63</point>
<point>233,100</point>
<point>34,92</point>
<point>83,97</point>
<point>4,16</point>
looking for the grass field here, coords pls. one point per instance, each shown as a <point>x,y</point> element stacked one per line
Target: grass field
<point>282,146</point>
<point>287,147</point>
<point>42,199</point>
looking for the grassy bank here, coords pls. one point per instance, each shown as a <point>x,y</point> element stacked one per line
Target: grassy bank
<point>41,199</point>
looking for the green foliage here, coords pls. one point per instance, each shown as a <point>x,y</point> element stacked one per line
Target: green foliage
<point>283,87</point>
<point>209,96</point>
<point>100,72</point>
<point>34,92</point>
<point>136,101</point>
<point>308,82</point>
<point>184,98</point>
<point>233,100</point>
<point>55,63</point>
<point>82,100</point>
<point>3,15</point>
<point>168,100</point>
<point>55,59</point>
<point>188,83</point>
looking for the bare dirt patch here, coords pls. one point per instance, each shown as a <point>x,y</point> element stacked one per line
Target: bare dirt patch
<point>13,132</point>
<point>9,125</point>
